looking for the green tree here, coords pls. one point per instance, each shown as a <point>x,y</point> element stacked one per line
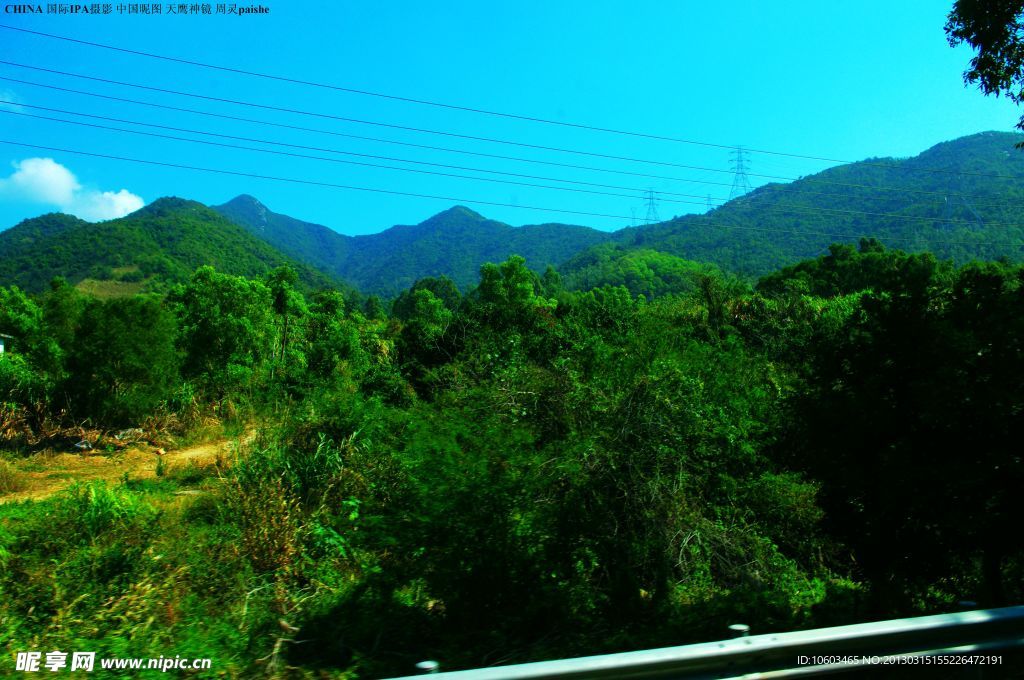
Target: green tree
<point>373,308</point>
<point>848,270</point>
<point>510,295</point>
<point>994,29</point>
<point>551,282</point>
<point>41,358</point>
<point>425,340</point>
<point>441,287</point>
<point>226,327</point>
<point>910,420</point>
<point>334,348</point>
<point>124,363</point>
<point>289,308</point>
<point>62,310</point>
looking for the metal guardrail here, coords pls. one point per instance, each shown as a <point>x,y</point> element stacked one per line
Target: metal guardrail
<point>982,632</point>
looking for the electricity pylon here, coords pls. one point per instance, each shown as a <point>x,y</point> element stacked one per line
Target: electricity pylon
<point>652,207</point>
<point>740,168</point>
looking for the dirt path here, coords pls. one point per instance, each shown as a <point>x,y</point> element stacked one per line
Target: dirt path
<point>45,474</point>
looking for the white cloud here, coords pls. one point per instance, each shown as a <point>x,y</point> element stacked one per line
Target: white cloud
<point>40,180</point>
<point>43,180</point>
<point>105,205</point>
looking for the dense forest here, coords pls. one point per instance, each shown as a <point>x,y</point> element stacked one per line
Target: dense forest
<point>636,451</point>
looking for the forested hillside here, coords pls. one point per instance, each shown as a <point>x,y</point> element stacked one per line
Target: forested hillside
<point>316,244</point>
<point>969,191</point>
<point>642,271</point>
<point>976,182</point>
<point>453,243</point>
<point>160,244</point>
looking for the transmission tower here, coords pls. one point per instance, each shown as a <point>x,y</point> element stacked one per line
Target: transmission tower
<point>740,168</point>
<point>711,206</point>
<point>652,207</point>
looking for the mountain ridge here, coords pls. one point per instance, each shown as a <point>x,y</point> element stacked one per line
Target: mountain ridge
<point>902,202</point>
<point>960,199</point>
<point>391,260</point>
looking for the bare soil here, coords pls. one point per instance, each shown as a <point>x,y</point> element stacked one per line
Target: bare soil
<point>44,474</point>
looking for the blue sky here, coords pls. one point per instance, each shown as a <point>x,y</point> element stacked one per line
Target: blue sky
<point>839,80</point>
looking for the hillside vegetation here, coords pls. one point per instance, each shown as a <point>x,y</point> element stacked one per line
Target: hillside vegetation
<point>976,182</point>
<point>453,243</point>
<point>158,245</point>
<point>520,472</point>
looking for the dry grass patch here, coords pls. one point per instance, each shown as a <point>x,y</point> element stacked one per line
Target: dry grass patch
<point>110,289</point>
<point>11,479</point>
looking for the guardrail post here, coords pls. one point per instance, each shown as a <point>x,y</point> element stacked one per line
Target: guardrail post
<point>739,630</point>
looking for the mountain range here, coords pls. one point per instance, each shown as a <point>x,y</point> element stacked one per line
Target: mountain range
<point>454,243</point>
<point>959,199</point>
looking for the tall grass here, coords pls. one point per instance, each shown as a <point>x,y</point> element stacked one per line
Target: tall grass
<point>90,510</point>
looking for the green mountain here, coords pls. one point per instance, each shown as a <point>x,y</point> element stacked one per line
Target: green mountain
<point>316,244</point>
<point>455,243</point>
<point>969,191</point>
<point>960,199</point>
<point>160,244</point>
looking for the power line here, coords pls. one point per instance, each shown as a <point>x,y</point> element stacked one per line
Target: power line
<point>358,163</point>
<point>411,100</point>
<point>445,133</point>
<point>334,133</point>
<point>305,181</point>
<point>361,121</point>
<point>650,199</point>
<point>461,151</point>
<point>301,146</point>
<point>471,201</point>
<point>469,109</point>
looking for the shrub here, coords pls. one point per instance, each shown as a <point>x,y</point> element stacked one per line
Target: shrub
<point>87,511</point>
<point>20,384</point>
